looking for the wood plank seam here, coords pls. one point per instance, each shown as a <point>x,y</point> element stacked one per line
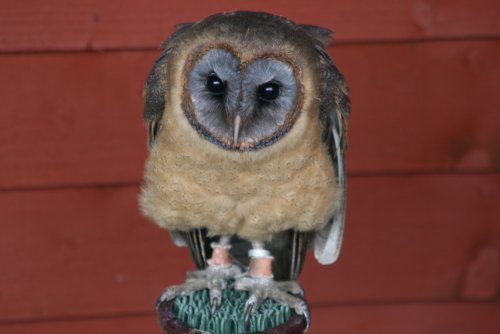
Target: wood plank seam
<point>336,44</point>
<point>374,174</point>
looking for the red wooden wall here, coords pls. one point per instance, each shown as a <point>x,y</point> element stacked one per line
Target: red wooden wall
<point>422,244</point>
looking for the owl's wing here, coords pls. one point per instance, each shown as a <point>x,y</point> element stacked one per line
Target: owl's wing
<point>156,85</point>
<point>154,106</point>
<point>328,240</point>
<point>334,111</point>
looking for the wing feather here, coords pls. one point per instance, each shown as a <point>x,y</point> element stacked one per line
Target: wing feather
<point>156,85</point>
<point>334,112</point>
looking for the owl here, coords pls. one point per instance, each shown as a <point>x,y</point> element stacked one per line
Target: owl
<point>246,117</point>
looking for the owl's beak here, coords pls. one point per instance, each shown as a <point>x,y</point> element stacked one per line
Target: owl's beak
<point>237,128</point>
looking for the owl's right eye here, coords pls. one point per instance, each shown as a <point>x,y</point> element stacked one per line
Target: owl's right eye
<point>215,85</point>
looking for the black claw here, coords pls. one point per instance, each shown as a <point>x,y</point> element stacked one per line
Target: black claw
<point>308,320</point>
<point>215,302</point>
<point>165,296</point>
<point>304,308</point>
<point>248,313</point>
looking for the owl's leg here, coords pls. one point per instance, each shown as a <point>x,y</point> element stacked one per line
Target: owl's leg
<point>220,269</point>
<point>261,285</point>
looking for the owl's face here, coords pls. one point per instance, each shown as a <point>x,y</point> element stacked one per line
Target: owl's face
<point>241,105</point>
<point>242,79</point>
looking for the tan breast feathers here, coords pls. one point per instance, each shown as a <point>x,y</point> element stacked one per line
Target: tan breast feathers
<point>190,182</point>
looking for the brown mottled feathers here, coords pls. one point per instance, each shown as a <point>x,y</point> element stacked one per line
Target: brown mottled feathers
<point>156,85</point>
<point>334,114</point>
<point>288,247</point>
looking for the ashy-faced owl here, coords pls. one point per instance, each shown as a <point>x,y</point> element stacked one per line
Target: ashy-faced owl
<point>246,118</point>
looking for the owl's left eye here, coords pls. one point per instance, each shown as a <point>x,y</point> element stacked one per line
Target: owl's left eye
<point>215,85</point>
<point>269,91</point>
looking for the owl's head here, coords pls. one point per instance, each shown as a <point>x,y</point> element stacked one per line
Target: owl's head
<point>241,77</point>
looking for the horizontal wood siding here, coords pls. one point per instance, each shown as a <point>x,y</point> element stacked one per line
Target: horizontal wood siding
<point>73,119</point>
<point>412,236</point>
<point>422,244</point>
<point>33,25</point>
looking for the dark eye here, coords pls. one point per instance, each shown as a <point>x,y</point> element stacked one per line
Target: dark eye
<point>269,91</point>
<point>215,84</point>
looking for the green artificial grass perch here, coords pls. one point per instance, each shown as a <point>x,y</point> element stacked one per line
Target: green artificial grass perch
<point>195,311</point>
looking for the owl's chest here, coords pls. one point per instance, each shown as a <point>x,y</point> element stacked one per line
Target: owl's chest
<point>242,176</point>
<point>193,183</point>
<point>253,198</point>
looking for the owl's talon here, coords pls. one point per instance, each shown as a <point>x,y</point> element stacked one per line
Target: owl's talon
<point>214,304</point>
<point>303,309</point>
<point>251,306</point>
<point>215,299</point>
<point>166,295</point>
<point>173,291</point>
<point>214,278</point>
<point>287,293</point>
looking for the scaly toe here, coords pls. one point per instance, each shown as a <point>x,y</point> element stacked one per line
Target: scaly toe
<point>214,278</point>
<point>287,293</point>
<point>215,299</point>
